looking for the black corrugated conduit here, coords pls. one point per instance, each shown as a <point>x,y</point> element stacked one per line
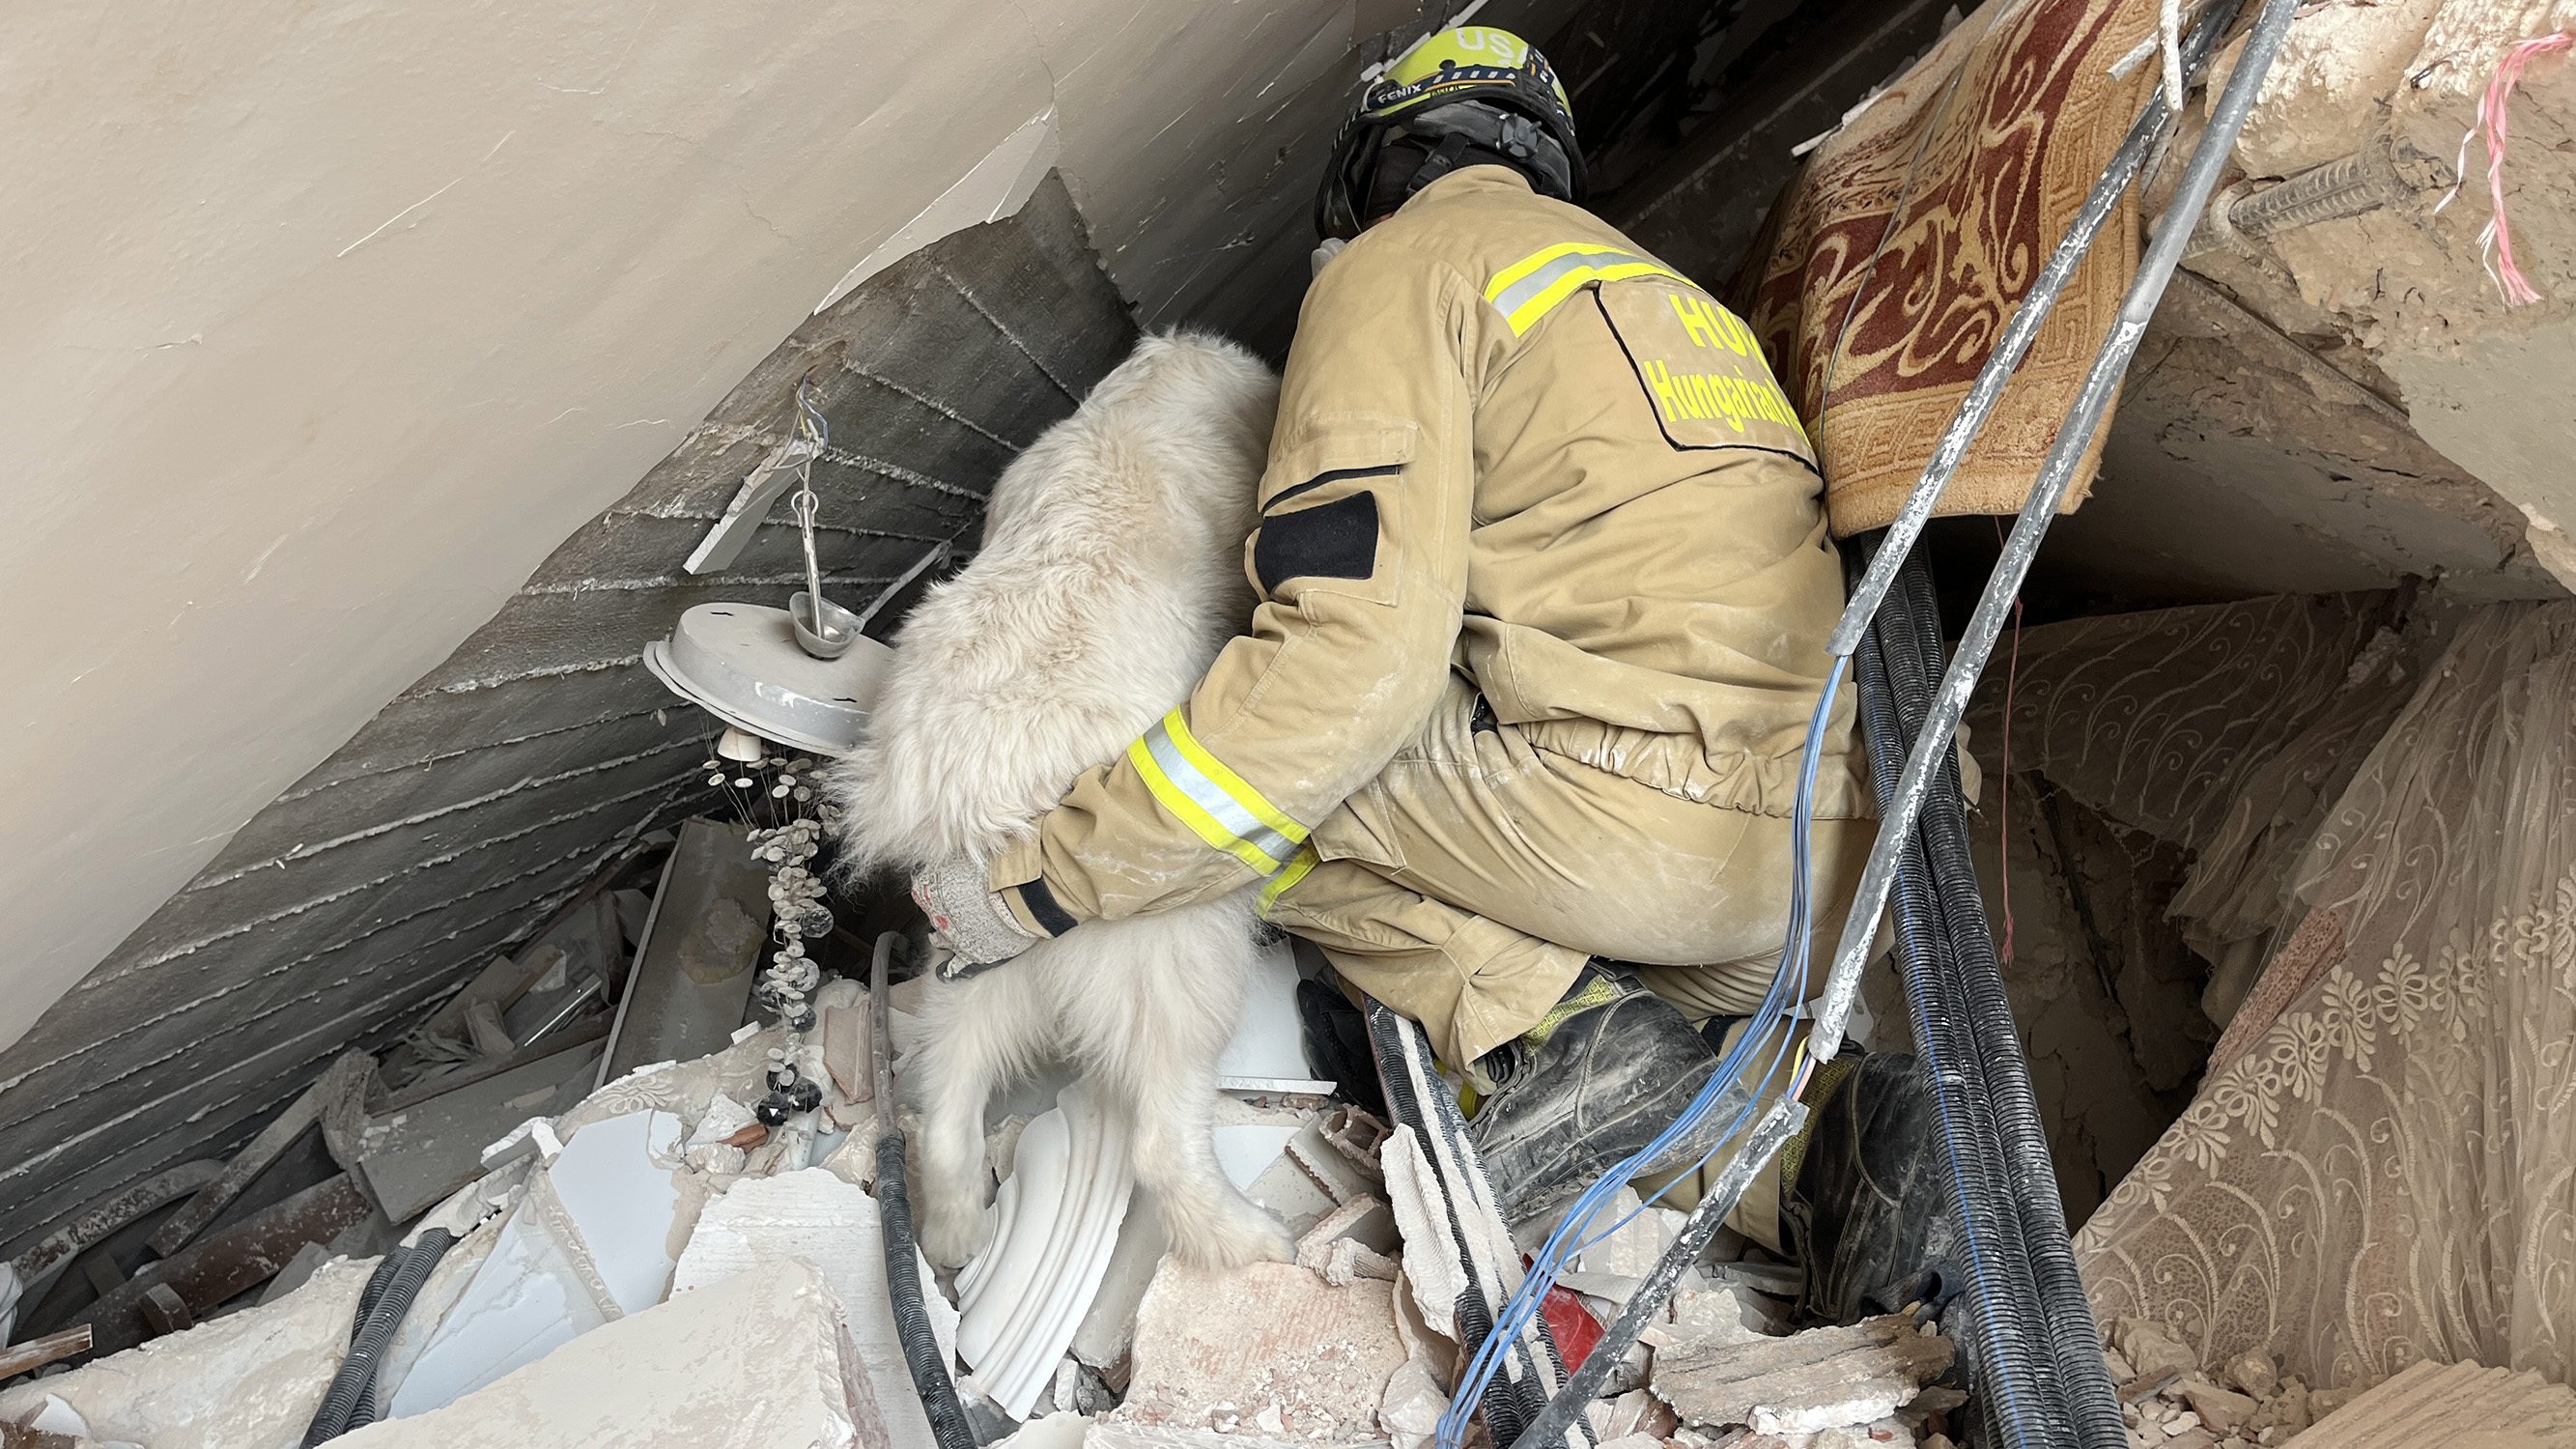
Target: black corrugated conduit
<point>921,1354</point>
<point>2015,1379</point>
<point>350,1402</point>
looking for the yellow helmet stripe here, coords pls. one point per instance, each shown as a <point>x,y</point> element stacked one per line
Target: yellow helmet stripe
<point>1530,288</point>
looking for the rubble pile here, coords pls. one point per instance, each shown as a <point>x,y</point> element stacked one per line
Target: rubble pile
<point>2170,1402</point>
<point>690,1250</point>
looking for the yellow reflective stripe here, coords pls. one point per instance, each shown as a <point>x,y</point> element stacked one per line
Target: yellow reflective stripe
<point>1504,279</point>
<point>1258,806</point>
<point>1215,802</point>
<point>1530,288</point>
<point>1526,315</point>
<point>1306,860</point>
<point>1201,823</point>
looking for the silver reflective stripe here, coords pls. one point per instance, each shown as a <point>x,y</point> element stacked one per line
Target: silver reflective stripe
<point>1213,799</point>
<point>1510,300</point>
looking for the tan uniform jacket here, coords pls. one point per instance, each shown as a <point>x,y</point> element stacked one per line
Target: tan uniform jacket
<point>1511,445</point>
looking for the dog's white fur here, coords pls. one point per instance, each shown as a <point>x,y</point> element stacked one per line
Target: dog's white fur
<point>1111,573</point>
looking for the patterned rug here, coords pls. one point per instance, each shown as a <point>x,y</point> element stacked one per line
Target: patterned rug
<point>1897,255</point>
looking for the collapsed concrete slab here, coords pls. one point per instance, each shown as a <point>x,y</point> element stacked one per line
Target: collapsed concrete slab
<point>250,1380</point>
<point>815,1217</point>
<point>758,1361</point>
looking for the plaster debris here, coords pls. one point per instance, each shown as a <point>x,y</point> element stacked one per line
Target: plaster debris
<point>1727,1313</point>
<point>1632,1247</point>
<point>248,1380</point>
<point>1271,1350</point>
<point>757,1361</point>
<point>1432,1275</point>
<point>2254,1373</point>
<point>832,1226</point>
<point>2174,1409</point>
<point>1343,1259</point>
<point>1055,1431</point>
<point>1821,1379</point>
<point>1409,1411</point>
<point>2150,1349</point>
<point>591,1241</point>
<point>1055,1226</point>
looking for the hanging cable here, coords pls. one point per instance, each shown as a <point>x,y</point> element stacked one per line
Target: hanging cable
<point>2054,1390</point>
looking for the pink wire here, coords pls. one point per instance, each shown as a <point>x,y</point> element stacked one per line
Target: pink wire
<point>2493,108</point>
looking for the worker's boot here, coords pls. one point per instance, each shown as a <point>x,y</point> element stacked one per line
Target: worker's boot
<point>1608,1068</point>
<point>1869,1212</point>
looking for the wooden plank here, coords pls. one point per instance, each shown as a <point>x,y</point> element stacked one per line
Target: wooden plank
<point>562,1039</point>
<point>304,1112</point>
<point>35,1353</point>
<point>413,1158</point>
<point>233,1261</point>
<point>93,1224</point>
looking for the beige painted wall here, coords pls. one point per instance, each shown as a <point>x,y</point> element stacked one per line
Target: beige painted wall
<point>327,321</point>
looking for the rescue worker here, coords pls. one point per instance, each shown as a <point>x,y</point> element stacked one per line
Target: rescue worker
<point>1545,587</point>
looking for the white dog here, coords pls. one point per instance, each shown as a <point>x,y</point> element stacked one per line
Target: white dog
<point>1111,573</point>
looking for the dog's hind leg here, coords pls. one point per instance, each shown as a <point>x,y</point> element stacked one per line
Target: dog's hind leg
<point>976,1035</point>
<point>1211,1224</point>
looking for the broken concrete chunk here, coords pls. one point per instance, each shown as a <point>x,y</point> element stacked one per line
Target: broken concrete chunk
<point>2221,1409</point>
<point>1431,1272</point>
<point>2253,1374</point>
<point>757,1361</point>
<point>1821,1379</point>
<point>1409,1411</point>
<point>1631,1239</point>
<point>1271,1350</point>
<point>1727,1313</point>
<point>248,1378</point>
<point>831,1225</point>
<point>2151,1348</point>
<point>592,1240</point>
<point>1344,1259</point>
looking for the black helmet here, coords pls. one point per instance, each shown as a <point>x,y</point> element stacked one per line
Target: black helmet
<point>1470,95</point>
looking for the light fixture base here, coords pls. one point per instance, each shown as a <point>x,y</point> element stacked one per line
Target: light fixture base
<point>742,664</point>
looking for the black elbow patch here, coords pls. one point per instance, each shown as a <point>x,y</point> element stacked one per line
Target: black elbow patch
<point>1336,540</point>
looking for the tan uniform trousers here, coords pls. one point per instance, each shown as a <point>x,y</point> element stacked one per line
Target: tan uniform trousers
<point>1466,885</point>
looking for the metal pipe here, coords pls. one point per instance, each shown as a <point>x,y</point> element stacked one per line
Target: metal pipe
<point>2056,472</point>
<point>2015,340</point>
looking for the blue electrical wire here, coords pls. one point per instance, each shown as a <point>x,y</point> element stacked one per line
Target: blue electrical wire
<point>1569,1239</point>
